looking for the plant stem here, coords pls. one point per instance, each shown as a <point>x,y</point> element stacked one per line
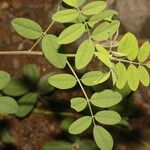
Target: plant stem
<point>126,61</point>
<point>82,88</point>
<point>20,53</point>
<point>84,22</point>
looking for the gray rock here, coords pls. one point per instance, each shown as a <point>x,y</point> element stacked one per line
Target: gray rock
<point>134,15</point>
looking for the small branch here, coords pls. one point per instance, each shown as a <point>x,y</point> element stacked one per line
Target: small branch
<point>126,61</point>
<point>21,53</point>
<point>81,86</point>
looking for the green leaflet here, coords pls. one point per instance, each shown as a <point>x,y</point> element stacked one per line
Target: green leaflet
<point>31,73</point>
<point>84,54</point>
<point>106,98</point>
<point>144,76</point>
<point>129,46</point>
<point>108,117</point>
<point>27,28</point>
<point>15,88</point>
<point>58,145</point>
<point>26,104</point>
<point>8,105</point>
<point>105,15</point>
<point>72,3</point>
<point>133,77</point>
<point>80,125</point>
<point>105,30</point>
<point>94,8</point>
<point>103,55</point>
<point>102,138</point>
<point>62,81</point>
<point>148,64</point>
<point>94,77</point>
<point>121,72</point>
<point>4,79</point>
<point>50,50</point>
<point>81,2</point>
<point>144,52</point>
<point>65,15</point>
<point>78,103</point>
<point>71,33</point>
<point>43,86</point>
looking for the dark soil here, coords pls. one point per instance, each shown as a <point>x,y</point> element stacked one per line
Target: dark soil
<point>34,131</point>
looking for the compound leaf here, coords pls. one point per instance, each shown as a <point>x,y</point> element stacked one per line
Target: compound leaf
<point>144,76</point>
<point>84,54</point>
<point>102,138</point>
<point>103,55</point>
<point>94,8</point>
<point>80,125</point>
<point>133,77</point>
<point>94,77</point>
<point>108,117</point>
<point>106,98</point>
<point>78,103</point>
<point>105,15</point>
<point>43,86</point>
<point>4,79</point>
<point>15,87</point>
<point>8,105</point>
<point>31,73</point>
<point>129,46</point>
<point>50,50</point>
<point>105,30</point>
<point>144,52</point>
<point>72,3</point>
<point>27,28</point>
<point>62,81</point>
<point>71,33</point>
<point>26,104</point>
<point>121,72</point>
<point>65,15</point>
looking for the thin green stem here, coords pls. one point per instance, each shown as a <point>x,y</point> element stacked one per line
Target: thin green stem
<point>84,22</point>
<point>126,61</point>
<point>44,32</point>
<point>82,88</point>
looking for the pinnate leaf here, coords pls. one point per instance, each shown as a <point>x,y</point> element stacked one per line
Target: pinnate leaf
<point>103,138</point>
<point>71,33</point>
<point>4,79</point>
<point>94,8</point>
<point>144,52</point>
<point>133,77</point>
<point>27,28</point>
<point>129,46</point>
<point>8,105</point>
<point>50,50</point>
<point>15,87</point>
<point>105,15</point>
<point>26,104</point>
<point>84,54</point>
<point>106,98</point>
<point>121,72</point>
<point>78,103</point>
<point>108,117</point>
<point>105,30</point>
<point>144,76</point>
<point>65,15</point>
<point>62,81</point>
<point>94,77</point>
<point>80,125</point>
